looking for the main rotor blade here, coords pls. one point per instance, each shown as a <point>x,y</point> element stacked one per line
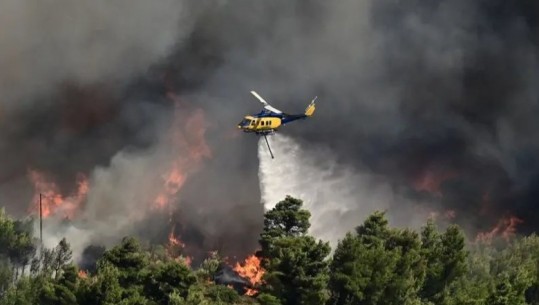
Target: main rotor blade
<point>266,104</point>
<point>259,98</point>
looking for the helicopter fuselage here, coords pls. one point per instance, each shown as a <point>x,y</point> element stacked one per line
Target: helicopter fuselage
<point>267,122</point>
<point>261,125</point>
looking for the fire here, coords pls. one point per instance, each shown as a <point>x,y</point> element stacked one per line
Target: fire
<point>53,202</point>
<point>189,146</point>
<point>431,181</point>
<point>174,180</point>
<point>450,214</point>
<point>252,271</point>
<point>188,149</point>
<point>506,228</point>
<point>174,241</point>
<point>175,247</point>
<point>188,260</point>
<point>196,130</point>
<point>83,274</point>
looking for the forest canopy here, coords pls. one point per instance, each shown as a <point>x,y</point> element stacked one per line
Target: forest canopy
<point>374,264</point>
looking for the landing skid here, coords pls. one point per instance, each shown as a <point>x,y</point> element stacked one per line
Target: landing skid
<point>269,148</point>
<point>267,133</point>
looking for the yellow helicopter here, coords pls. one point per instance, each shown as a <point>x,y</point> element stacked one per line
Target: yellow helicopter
<point>270,119</point>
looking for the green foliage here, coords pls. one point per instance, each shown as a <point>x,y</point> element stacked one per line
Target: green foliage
<point>221,294</point>
<point>15,239</point>
<point>268,299</point>
<point>61,292</point>
<point>106,289</point>
<point>61,256</point>
<point>445,256</point>
<point>285,219</point>
<point>23,293</point>
<point>372,265</point>
<point>295,263</point>
<point>16,249</point>
<point>473,287</point>
<point>167,278</point>
<point>5,275</point>
<point>130,261</point>
<point>377,265</point>
<point>208,268</point>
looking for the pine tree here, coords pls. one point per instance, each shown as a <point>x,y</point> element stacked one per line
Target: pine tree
<point>377,265</point>
<point>295,263</point>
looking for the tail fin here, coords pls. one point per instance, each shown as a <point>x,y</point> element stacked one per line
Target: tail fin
<point>309,111</point>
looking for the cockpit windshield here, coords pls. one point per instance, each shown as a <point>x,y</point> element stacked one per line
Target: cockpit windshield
<point>245,122</point>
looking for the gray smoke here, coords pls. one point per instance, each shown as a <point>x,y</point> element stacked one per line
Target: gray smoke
<point>47,43</point>
<point>407,91</point>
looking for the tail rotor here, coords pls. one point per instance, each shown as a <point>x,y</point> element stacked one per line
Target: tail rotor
<point>309,111</point>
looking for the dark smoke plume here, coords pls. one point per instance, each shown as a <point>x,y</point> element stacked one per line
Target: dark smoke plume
<point>427,105</point>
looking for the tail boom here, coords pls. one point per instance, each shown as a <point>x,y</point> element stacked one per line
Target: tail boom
<point>309,111</point>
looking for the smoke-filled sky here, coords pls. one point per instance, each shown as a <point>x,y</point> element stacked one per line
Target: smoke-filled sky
<point>426,105</point>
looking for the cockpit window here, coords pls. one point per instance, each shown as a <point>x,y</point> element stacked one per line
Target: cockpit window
<point>245,122</point>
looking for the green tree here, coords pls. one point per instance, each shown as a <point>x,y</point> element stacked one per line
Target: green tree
<point>209,267</point>
<point>474,287</point>
<point>510,288</point>
<point>446,256</point>
<point>218,294</point>
<point>22,293</point>
<point>5,276</point>
<point>526,250</point>
<point>7,233</point>
<point>62,292</point>
<point>16,243</point>
<point>514,271</point>
<point>295,263</point>
<point>130,261</point>
<point>286,219</point>
<point>167,278</point>
<point>377,265</point>
<point>103,289</point>
<point>431,249</point>
<point>267,299</point>
<point>62,256</point>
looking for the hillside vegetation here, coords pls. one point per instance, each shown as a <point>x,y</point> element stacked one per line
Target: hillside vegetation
<point>373,265</point>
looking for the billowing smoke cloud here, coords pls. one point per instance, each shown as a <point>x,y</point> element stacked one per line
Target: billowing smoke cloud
<point>422,105</point>
<point>438,99</point>
<point>47,43</point>
<point>63,72</point>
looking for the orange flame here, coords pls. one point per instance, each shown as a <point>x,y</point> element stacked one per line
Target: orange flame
<point>174,180</point>
<point>83,274</point>
<point>506,228</point>
<point>175,246</point>
<point>53,202</point>
<point>174,241</point>
<point>188,139</point>
<point>252,271</point>
<point>188,260</point>
<point>431,182</point>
